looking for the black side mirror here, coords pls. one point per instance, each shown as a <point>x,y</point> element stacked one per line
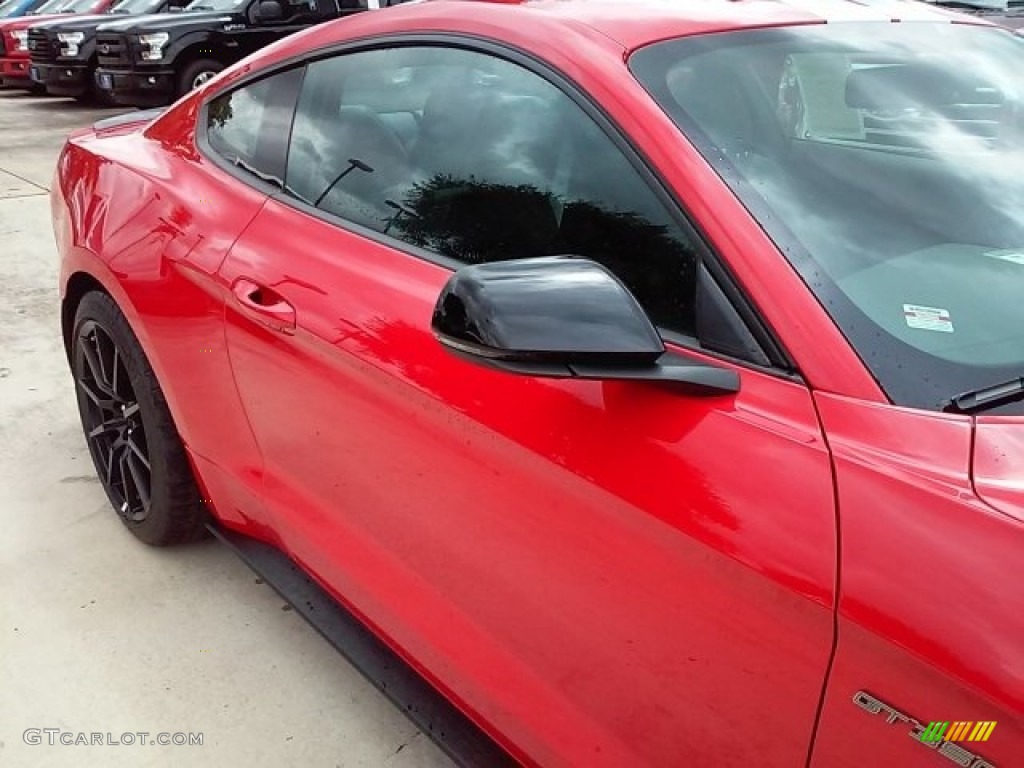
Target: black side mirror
<point>269,10</point>
<point>560,317</point>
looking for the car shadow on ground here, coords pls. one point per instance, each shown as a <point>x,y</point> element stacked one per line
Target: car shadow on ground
<point>46,103</point>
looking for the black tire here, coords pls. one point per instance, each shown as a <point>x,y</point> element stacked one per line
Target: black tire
<point>131,436</point>
<point>189,77</point>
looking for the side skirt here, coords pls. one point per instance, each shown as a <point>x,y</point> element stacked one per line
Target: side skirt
<point>462,740</point>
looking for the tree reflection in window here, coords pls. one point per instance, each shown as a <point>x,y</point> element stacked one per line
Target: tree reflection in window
<point>477,159</point>
<point>474,222</point>
<point>220,111</point>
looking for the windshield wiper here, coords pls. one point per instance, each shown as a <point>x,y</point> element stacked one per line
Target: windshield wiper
<point>986,398</point>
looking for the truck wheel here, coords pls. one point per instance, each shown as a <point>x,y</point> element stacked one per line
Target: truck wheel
<point>197,73</point>
<point>132,439</point>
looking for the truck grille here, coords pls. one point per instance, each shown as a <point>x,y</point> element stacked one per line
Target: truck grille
<point>42,47</point>
<point>112,50</point>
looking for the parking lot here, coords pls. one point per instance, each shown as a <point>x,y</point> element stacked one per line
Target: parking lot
<point>99,634</point>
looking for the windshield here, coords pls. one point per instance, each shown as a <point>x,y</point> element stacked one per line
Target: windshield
<point>52,6</point>
<point>10,7</point>
<point>68,6</point>
<point>212,5</point>
<point>136,6</point>
<point>886,161</point>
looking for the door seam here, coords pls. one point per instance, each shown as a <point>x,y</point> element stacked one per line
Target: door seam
<point>835,589</point>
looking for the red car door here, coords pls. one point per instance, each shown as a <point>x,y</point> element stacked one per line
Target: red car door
<point>603,573</point>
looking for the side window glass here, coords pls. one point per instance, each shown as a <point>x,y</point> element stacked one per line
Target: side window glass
<point>248,126</point>
<point>477,159</point>
<point>297,9</point>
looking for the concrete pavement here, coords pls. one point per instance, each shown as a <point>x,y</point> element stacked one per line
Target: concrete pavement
<point>100,634</point>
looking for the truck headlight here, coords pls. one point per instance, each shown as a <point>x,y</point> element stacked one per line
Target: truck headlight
<point>69,42</point>
<point>153,46</point>
<point>21,36</point>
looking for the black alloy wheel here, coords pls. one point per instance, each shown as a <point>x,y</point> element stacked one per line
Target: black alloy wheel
<point>112,421</point>
<point>139,456</point>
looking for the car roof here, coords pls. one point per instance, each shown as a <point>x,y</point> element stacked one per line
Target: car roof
<point>634,23</point>
<point>576,36</point>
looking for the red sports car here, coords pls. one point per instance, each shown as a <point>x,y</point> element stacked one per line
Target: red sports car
<point>647,375</point>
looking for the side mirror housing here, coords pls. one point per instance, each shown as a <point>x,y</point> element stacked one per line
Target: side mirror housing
<point>559,317</point>
<point>269,10</point>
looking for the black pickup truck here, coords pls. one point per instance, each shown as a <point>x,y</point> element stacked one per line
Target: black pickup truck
<point>1005,13</point>
<point>63,52</point>
<point>155,60</point>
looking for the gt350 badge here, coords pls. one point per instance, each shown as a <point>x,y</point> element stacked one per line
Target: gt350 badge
<point>946,748</point>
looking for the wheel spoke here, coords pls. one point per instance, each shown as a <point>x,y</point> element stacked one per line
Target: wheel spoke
<point>92,361</point>
<point>103,403</point>
<point>113,380</point>
<point>122,470</point>
<point>131,410</point>
<point>140,480</point>
<point>97,370</point>
<point>104,379</point>
<point>138,452</point>
<point>101,430</point>
<point>110,465</point>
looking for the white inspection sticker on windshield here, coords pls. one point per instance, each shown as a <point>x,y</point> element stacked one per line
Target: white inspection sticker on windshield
<point>928,318</point>
<point>1017,257</point>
